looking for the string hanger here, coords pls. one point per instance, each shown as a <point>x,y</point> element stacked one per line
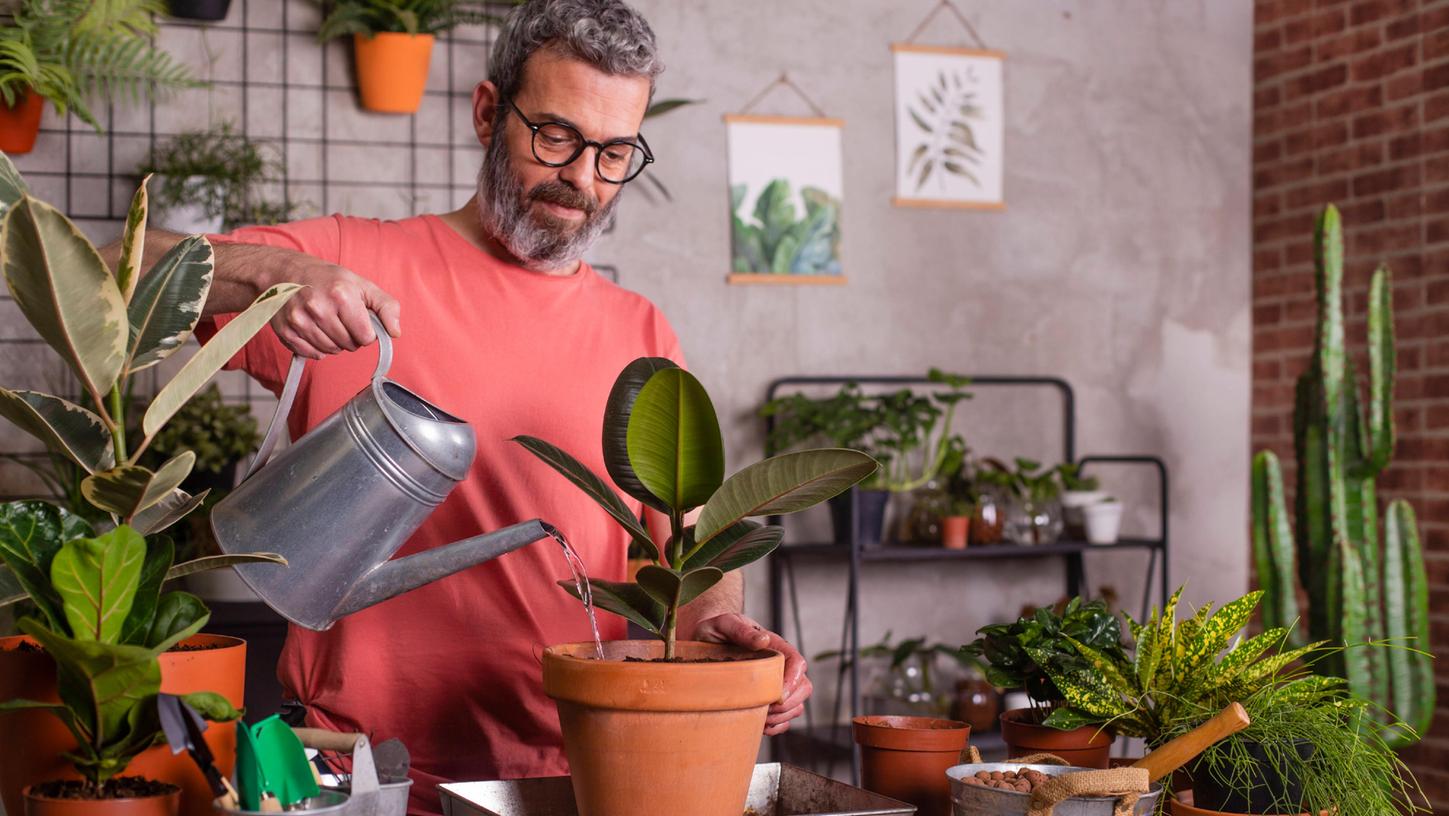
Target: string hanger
<point>956,12</point>
<point>784,79</point>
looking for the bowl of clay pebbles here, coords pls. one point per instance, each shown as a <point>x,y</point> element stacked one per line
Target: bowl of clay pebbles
<point>1007,788</point>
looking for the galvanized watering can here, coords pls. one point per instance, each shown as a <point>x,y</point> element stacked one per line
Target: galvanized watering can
<point>342,499</point>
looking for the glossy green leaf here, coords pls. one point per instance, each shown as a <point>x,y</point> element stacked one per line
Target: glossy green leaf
<point>1069,719</point>
<point>215,354</point>
<point>177,505</point>
<point>160,551</point>
<point>31,533</point>
<point>66,292</point>
<point>97,579</point>
<point>12,186</point>
<point>743,543</point>
<point>133,244</point>
<point>675,589</point>
<point>168,302</point>
<point>129,489</point>
<point>179,615</point>
<point>674,440</point>
<point>781,484</point>
<point>64,427</point>
<point>589,482</point>
<point>100,683</point>
<point>624,599</point>
<point>616,428</point>
<point>211,706</point>
<point>211,562</point>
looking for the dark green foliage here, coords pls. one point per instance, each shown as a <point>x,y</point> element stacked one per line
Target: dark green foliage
<point>220,169</point>
<point>218,433</point>
<point>369,17</point>
<point>1023,654</point>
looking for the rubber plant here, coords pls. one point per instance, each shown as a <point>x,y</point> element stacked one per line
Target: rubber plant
<point>662,446</point>
<point>1363,586</point>
<point>105,621</point>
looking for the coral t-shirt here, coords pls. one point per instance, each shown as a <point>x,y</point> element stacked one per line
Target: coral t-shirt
<point>452,669</point>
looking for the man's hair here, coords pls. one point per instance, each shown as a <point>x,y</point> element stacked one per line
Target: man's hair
<point>607,34</point>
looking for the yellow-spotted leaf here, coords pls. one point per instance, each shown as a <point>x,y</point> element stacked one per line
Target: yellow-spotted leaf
<point>64,427</point>
<point>129,489</point>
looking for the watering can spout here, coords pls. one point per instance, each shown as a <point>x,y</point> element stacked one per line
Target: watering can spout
<point>401,575</point>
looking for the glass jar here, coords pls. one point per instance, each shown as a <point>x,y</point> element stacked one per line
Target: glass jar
<point>1031,520</point>
<point>921,524</point>
<point>988,522</point>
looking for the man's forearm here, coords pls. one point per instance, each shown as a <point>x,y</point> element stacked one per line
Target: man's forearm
<point>240,271</point>
<point>726,596</point>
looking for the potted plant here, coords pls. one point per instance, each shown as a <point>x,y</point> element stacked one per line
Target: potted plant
<point>209,181</point>
<point>1102,520</point>
<point>392,41</point>
<point>207,11</point>
<point>993,492</point>
<point>959,499</point>
<point>618,703</point>
<point>108,327</point>
<point>1035,514</point>
<point>1078,491</point>
<point>70,52</point>
<point>1030,654</point>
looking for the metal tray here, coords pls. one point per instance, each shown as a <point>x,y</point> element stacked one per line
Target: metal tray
<point>775,790</point>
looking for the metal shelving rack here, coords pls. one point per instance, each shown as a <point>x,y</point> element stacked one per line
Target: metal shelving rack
<point>1073,552</point>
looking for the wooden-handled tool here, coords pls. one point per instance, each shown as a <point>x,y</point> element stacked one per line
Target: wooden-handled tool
<point>324,740</point>
<point>1182,750</point>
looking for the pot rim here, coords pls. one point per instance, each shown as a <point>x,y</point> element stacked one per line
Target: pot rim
<point>751,682</point>
<point>175,792</point>
<point>914,734</point>
<point>392,35</point>
<point>1101,735</point>
<point>9,642</point>
<point>1181,808</point>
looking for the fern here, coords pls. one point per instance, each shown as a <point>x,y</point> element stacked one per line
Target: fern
<point>369,17</point>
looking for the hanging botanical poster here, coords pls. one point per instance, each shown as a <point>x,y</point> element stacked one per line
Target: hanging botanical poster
<point>786,183</point>
<point>949,127</point>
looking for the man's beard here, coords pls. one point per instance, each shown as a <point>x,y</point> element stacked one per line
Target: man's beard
<point>540,241</point>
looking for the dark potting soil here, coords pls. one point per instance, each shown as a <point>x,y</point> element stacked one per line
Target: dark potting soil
<point>121,787</point>
<point>27,646</point>
<point>686,659</point>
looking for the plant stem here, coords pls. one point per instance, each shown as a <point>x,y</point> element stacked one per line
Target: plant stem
<point>118,430</point>
<point>671,626</point>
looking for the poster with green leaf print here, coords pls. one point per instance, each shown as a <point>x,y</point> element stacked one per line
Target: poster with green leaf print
<point>949,127</point>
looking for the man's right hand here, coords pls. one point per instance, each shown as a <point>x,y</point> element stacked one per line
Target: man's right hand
<point>330,314</point>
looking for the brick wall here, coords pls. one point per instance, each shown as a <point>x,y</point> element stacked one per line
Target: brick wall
<point>1351,105</point>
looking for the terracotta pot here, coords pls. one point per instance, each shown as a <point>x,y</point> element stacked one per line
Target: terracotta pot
<point>1179,808</point>
<point>954,532</point>
<point>20,124</point>
<point>1085,747</point>
<point>698,723</point>
<point>906,758</point>
<point>167,805</point>
<point>392,70</point>
<point>976,703</point>
<point>31,742</point>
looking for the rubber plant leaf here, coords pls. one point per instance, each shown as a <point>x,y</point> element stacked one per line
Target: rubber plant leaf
<point>97,579</point>
<point>12,186</point>
<point>673,588</point>
<point>179,615</point>
<point>215,354</point>
<point>674,440</point>
<point>177,504</point>
<point>129,489</point>
<point>99,682</point>
<point>624,599</point>
<point>168,302</point>
<point>66,292</point>
<point>133,244</point>
<point>31,533</point>
<point>743,543</point>
<point>781,484</point>
<point>616,427</point>
<point>589,482</point>
<point>160,551</point>
<point>64,427</point>
<point>211,562</point>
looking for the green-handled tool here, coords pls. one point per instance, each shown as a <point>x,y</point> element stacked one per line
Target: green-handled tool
<point>283,761</point>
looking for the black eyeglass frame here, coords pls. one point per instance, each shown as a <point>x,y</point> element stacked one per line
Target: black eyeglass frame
<point>584,143</point>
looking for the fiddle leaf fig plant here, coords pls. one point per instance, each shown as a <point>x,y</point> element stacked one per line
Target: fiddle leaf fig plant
<point>662,447</point>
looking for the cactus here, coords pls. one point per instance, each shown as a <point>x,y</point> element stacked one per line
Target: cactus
<point>1361,589</point>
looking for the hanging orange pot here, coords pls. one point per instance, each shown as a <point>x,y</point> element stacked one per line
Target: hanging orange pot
<point>392,70</point>
<point>20,124</point>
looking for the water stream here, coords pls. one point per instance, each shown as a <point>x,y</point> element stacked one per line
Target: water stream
<point>581,583</point>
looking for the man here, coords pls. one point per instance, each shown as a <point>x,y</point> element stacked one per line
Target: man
<point>497,320</point>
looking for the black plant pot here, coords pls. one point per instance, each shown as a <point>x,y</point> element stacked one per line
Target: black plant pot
<point>872,515</point>
<point>1258,790</point>
<point>208,10</point>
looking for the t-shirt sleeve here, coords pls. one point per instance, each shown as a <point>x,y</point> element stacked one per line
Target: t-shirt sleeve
<point>264,357</point>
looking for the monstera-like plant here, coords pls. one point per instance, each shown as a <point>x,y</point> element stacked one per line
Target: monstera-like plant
<point>662,446</point>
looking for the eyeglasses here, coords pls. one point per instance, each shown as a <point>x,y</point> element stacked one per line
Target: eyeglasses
<point>556,144</point>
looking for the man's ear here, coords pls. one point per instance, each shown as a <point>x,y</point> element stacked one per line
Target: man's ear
<point>485,105</point>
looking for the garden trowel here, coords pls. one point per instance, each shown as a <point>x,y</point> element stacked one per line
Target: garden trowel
<point>182,727</point>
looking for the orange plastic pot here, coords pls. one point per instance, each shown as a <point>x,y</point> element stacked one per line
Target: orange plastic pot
<point>954,532</point>
<point>625,723</point>
<point>1085,747</point>
<point>167,805</point>
<point>906,758</point>
<point>20,124</point>
<point>392,70</point>
<point>32,742</point>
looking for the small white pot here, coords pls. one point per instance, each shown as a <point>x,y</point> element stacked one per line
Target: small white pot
<point>1103,521</point>
<point>189,219</point>
<point>222,585</point>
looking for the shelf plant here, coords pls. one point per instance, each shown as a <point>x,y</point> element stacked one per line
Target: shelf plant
<point>73,52</point>
<point>662,447</point>
<point>214,175</point>
<point>1363,585</point>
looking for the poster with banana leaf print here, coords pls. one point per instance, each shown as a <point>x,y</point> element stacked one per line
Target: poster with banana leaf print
<point>949,127</point>
<point>786,184</point>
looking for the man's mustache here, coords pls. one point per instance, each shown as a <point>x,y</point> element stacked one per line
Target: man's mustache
<point>556,192</point>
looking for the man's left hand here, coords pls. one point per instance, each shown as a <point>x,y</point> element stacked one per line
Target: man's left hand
<point>739,630</point>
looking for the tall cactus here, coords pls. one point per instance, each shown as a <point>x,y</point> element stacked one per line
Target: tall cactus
<point>1360,589</point>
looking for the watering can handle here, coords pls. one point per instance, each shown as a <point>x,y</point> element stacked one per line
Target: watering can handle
<point>289,394</point>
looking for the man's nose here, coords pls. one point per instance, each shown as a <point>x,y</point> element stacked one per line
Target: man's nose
<point>580,173</point>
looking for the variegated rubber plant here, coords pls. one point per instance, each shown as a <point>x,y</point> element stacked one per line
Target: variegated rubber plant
<point>662,446</point>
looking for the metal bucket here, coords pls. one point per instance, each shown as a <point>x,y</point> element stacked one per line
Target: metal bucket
<point>328,801</point>
<point>977,800</point>
<point>391,798</point>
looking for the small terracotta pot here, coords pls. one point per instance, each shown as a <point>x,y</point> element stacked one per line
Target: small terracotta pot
<point>1179,808</point>
<point>166,805</point>
<point>32,742</point>
<point>906,758</point>
<point>392,70</point>
<point>1085,747</point>
<point>954,532</point>
<point>626,722</point>
<point>20,124</point>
